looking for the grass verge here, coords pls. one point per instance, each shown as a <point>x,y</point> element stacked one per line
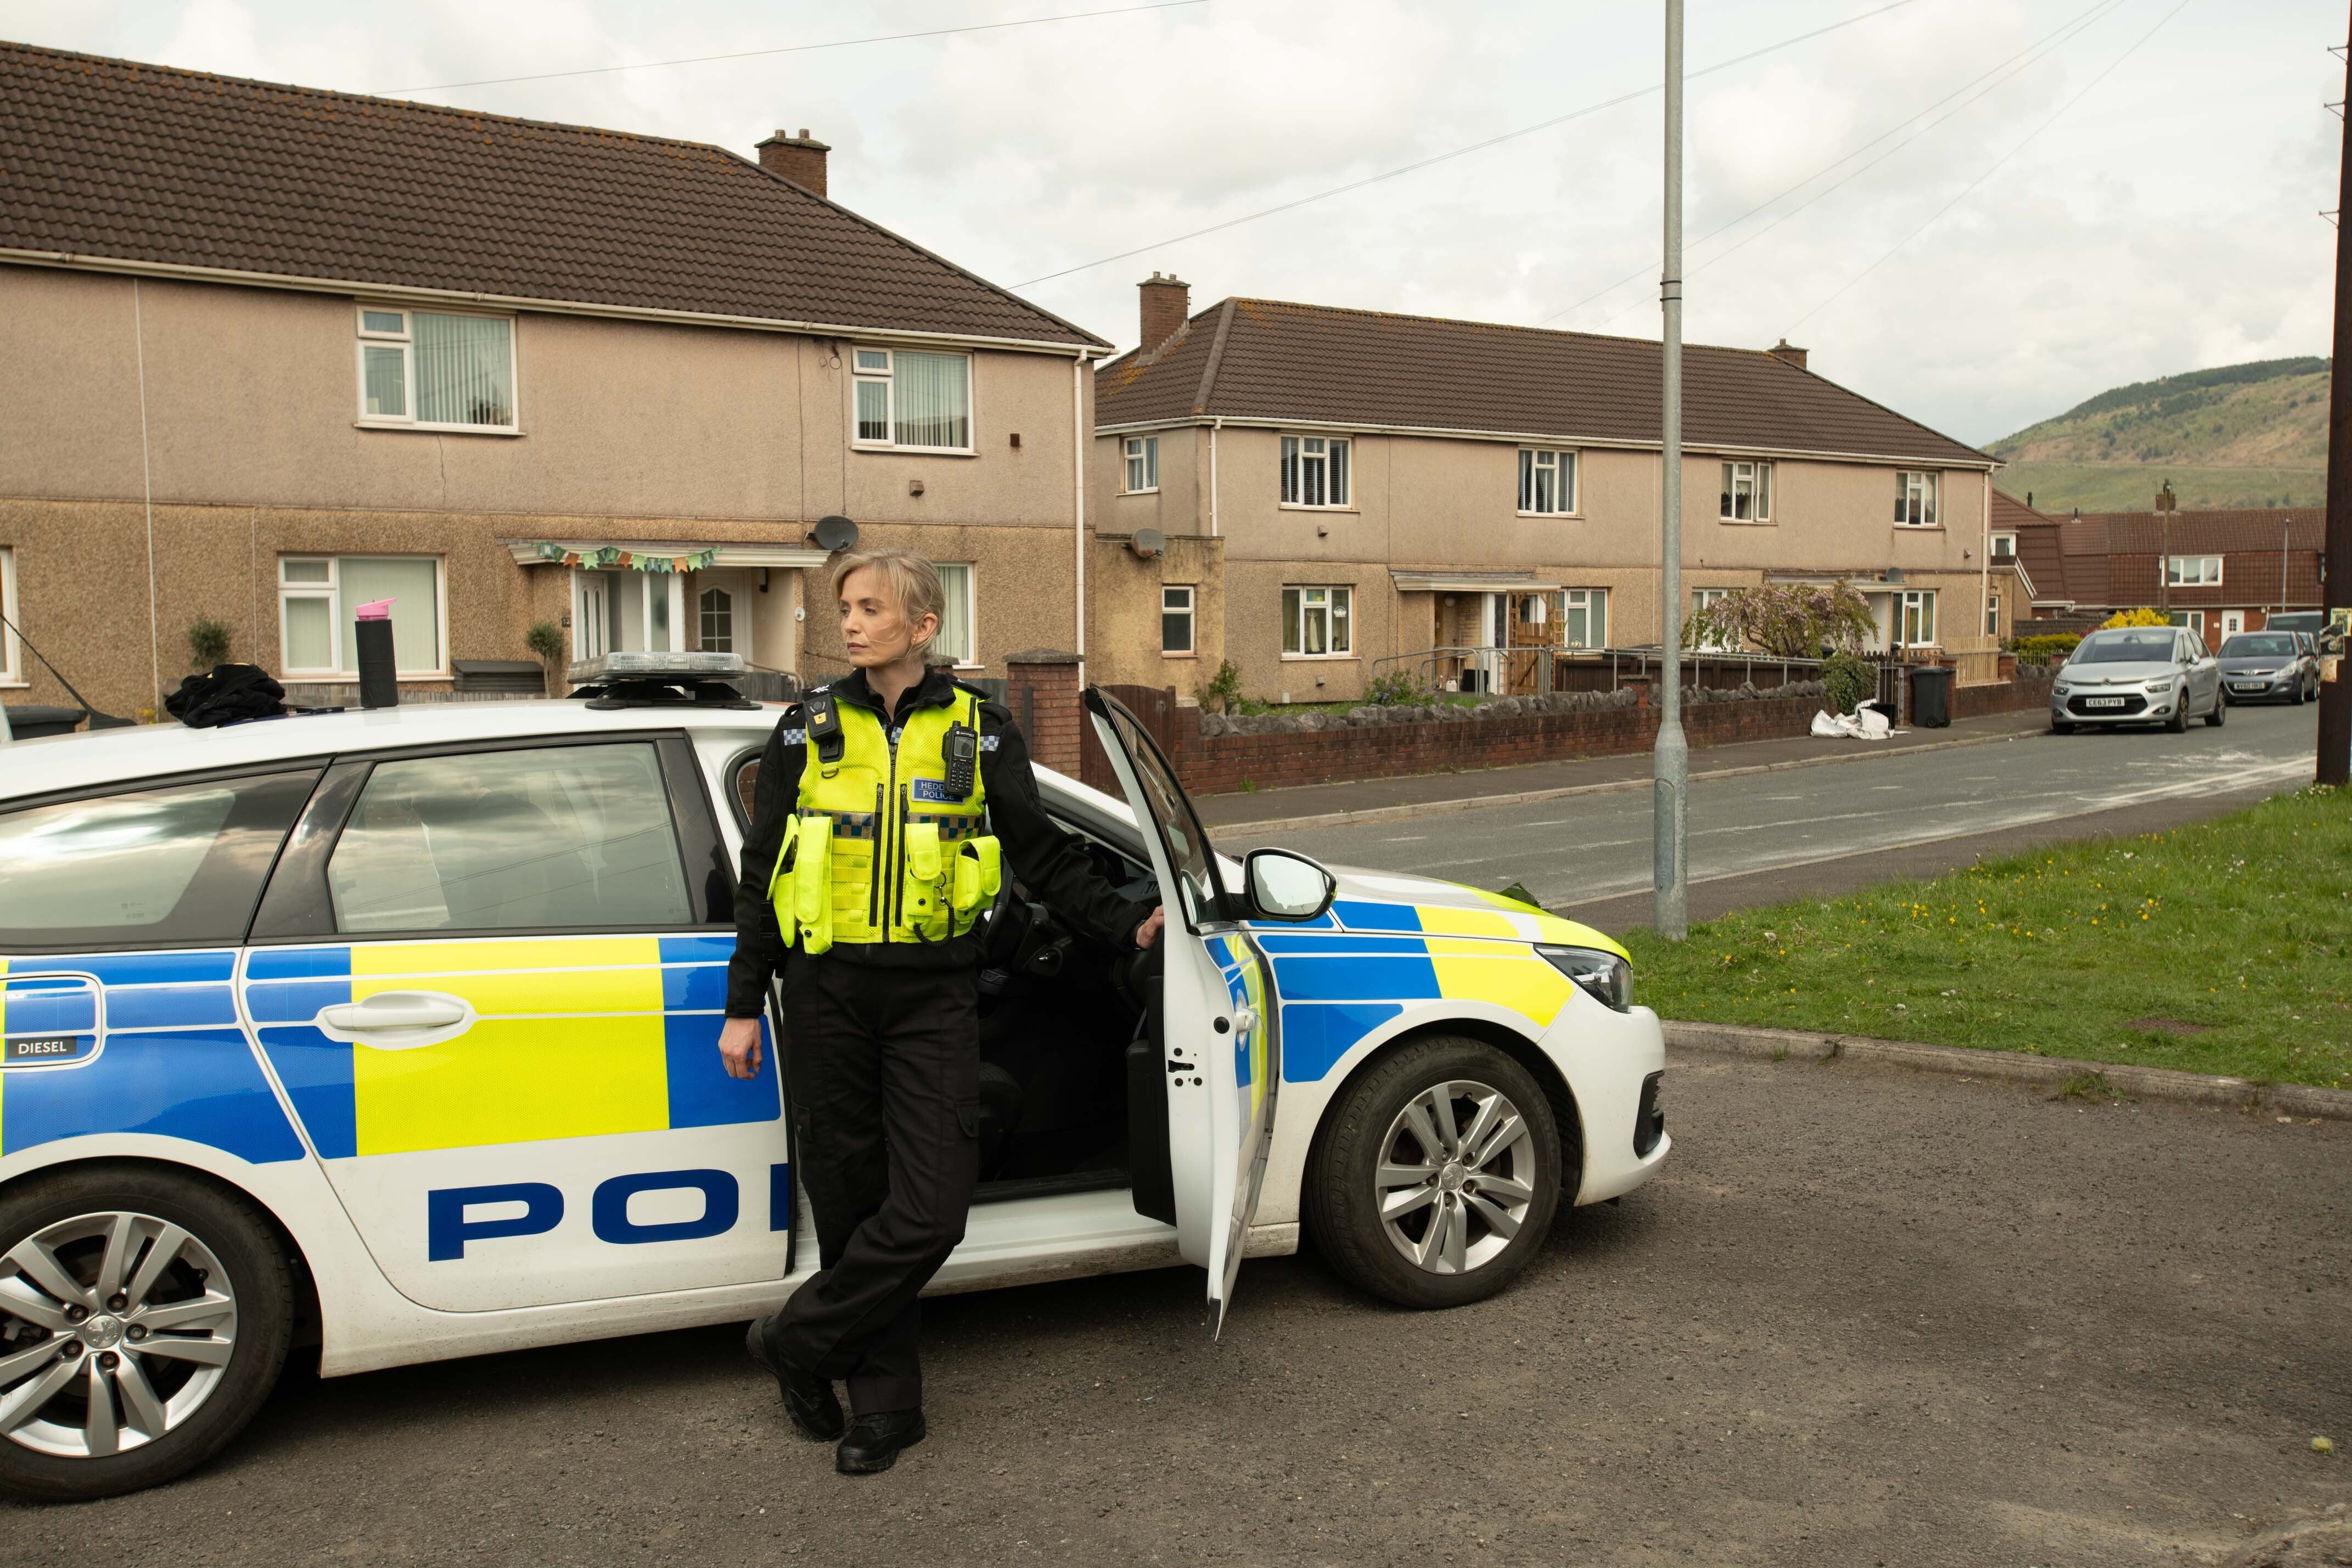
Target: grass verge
<point>2222,947</point>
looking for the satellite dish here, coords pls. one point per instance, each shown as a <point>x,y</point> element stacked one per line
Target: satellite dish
<point>1148,542</point>
<point>834,534</point>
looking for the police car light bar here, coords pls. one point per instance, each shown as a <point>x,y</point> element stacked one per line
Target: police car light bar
<point>680,667</point>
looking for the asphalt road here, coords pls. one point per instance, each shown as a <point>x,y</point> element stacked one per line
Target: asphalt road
<point>1864,1317</point>
<point>1589,851</point>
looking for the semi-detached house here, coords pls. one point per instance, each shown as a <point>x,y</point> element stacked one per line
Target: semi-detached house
<point>1340,490</point>
<point>268,352</point>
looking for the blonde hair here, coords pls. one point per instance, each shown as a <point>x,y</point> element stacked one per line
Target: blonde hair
<point>914,582</point>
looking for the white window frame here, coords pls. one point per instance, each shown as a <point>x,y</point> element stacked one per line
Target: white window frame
<point>1293,461</point>
<point>1139,465</point>
<point>1534,462</point>
<point>2004,547</point>
<point>2207,569</point>
<point>2195,622</point>
<point>971,572</point>
<point>702,631</point>
<point>671,585</point>
<point>1592,601</point>
<point>332,590</point>
<point>1700,599</point>
<point>1188,608</point>
<point>1922,599</point>
<point>1757,479</point>
<point>405,340</point>
<point>12,656</point>
<point>1334,594</point>
<point>1914,498</point>
<point>1992,613</point>
<point>886,375</point>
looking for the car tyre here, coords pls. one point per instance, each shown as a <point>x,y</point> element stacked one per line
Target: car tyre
<point>200,1406</point>
<point>2179,723</point>
<point>2297,699</point>
<point>2060,727</point>
<point>2221,713</point>
<point>1369,1134</point>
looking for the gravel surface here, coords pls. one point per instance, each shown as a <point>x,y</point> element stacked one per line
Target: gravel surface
<point>1865,1317</point>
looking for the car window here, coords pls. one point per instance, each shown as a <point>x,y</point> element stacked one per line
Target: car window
<point>546,837</point>
<point>2264,645</point>
<point>2132,647</point>
<point>1163,799</point>
<point>144,868</point>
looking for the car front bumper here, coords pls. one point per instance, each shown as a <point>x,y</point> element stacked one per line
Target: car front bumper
<point>2131,708</point>
<point>1613,1063</point>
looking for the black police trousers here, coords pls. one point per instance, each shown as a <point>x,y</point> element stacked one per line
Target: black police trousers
<point>883,1065</point>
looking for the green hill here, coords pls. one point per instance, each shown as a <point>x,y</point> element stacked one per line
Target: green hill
<point>2240,436</point>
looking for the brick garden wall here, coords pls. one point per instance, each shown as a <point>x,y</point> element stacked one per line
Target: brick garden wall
<point>2030,689</point>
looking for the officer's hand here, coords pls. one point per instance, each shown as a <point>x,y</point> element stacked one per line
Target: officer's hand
<point>1147,933</point>
<point>739,1047</point>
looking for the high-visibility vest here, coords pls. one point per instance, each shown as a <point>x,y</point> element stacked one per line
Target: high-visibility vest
<point>878,849</point>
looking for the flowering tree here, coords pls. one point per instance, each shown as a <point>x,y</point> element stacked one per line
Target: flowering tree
<point>1795,621</point>
<point>2136,618</point>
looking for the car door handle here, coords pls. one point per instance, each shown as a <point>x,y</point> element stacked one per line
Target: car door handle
<point>1245,1021</point>
<point>397,1021</point>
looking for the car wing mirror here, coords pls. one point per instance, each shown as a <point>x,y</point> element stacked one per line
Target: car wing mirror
<point>1281,885</point>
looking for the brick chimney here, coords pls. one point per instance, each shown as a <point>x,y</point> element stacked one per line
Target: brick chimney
<point>1166,302</point>
<point>800,159</point>
<point>1783,350</point>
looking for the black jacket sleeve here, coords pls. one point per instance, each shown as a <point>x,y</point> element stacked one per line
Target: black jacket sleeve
<point>1043,856</point>
<point>759,943</point>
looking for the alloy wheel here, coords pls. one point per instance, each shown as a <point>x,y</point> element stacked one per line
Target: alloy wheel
<point>115,1328</point>
<point>1457,1175</point>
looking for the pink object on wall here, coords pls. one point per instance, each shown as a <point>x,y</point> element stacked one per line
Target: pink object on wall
<point>377,610</point>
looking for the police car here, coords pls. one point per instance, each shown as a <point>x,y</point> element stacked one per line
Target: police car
<point>391,1036</point>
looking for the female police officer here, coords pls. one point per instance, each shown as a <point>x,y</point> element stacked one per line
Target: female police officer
<point>887,805</point>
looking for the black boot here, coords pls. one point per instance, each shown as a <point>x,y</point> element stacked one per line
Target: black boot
<point>809,1399</point>
<point>873,1441</point>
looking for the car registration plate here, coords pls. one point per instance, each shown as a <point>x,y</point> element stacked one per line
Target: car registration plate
<point>2248,685</point>
<point>2103,702</point>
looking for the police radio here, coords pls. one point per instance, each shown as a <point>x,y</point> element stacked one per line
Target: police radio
<point>962,752</point>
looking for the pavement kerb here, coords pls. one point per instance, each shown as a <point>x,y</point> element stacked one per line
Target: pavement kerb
<point>1961,1062</point>
<point>1531,797</point>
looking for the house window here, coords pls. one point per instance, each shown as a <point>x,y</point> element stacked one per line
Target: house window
<point>1747,493</point>
<point>907,398</point>
<point>431,370</point>
<point>1317,622</point>
<point>2004,548</point>
<point>1915,500</point>
<point>1143,464</point>
<point>2195,622</point>
<point>1584,618</point>
<point>715,609</point>
<point>1992,615</point>
<point>2193,570</point>
<point>1918,629</point>
<point>1176,619</point>
<point>1314,471</point>
<point>955,643</point>
<point>1547,483</point>
<point>627,612</point>
<point>11,665</point>
<point>318,597</point>
<point>1700,599</point>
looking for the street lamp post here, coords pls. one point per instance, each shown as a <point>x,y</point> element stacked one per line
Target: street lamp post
<point>1670,757</point>
<point>2164,549</point>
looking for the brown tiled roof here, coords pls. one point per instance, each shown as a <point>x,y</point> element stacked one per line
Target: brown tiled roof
<point>2110,557</point>
<point>121,161</point>
<point>1265,358</point>
<point>2037,545</point>
<point>2250,530</point>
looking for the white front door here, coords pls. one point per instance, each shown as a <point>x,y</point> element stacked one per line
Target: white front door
<point>1218,1016</point>
<point>591,638</point>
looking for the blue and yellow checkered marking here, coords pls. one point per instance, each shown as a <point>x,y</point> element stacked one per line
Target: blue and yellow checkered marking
<point>176,1064</point>
<point>575,1036</point>
<point>1344,977</point>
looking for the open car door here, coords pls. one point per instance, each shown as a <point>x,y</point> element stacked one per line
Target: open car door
<point>1220,1059</point>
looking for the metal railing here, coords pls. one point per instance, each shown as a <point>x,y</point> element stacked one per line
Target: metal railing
<point>1541,670</point>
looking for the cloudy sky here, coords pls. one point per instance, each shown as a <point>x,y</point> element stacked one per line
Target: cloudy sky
<point>2166,219</point>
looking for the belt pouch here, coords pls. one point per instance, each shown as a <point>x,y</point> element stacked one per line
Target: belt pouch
<point>787,922</point>
<point>813,883</point>
<point>978,873</point>
<point>920,901</point>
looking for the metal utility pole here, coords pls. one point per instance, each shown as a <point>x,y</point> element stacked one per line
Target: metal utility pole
<point>2164,504</point>
<point>2336,561</point>
<point>1670,758</point>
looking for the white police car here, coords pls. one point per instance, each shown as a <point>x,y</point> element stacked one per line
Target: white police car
<point>394,1033</point>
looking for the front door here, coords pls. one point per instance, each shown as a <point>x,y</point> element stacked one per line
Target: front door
<point>492,978</point>
<point>592,638</point>
<point>1221,1050</point>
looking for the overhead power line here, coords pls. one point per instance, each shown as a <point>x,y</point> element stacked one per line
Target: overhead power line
<point>2063,34</point>
<point>1457,153</point>
<point>1989,168</point>
<point>804,49</point>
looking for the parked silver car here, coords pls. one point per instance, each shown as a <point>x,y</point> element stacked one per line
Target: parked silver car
<point>2269,666</point>
<point>2137,674</point>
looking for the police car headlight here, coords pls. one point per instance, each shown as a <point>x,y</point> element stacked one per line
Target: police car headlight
<point>1605,977</point>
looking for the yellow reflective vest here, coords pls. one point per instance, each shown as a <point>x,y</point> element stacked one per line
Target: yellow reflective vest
<point>878,849</point>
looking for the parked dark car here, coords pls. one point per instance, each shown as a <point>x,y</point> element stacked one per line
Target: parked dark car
<point>2269,666</point>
